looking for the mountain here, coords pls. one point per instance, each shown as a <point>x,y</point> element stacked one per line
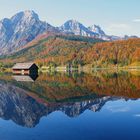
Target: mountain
<point>20,29</point>
<point>101,34</point>
<point>126,37</point>
<point>95,31</point>
<point>76,28</point>
<point>25,26</point>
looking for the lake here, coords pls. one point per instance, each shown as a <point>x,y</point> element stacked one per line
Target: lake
<point>99,105</point>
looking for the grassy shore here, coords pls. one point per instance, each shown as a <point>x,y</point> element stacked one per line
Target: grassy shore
<point>86,68</point>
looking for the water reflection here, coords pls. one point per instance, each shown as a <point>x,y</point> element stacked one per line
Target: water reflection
<point>25,78</point>
<point>25,102</point>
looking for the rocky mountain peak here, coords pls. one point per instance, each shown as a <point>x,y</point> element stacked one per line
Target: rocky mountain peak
<point>24,17</point>
<point>76,28</point>
<point>97,29</point>
<point>25,14</point>
<point>71,25</point>
<point>20,29</point>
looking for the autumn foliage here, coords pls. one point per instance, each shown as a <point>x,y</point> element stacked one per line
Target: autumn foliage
<point>63,50</point>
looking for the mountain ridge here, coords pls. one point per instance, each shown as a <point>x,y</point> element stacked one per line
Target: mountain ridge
<point>25,26</point>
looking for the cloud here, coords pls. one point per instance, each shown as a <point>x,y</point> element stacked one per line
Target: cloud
<point>119,26</point>
<point>136,20</point>
<point>119,29</point>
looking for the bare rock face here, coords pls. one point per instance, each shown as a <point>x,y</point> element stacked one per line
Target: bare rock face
<point>20,29</point>
<point>73,26</point>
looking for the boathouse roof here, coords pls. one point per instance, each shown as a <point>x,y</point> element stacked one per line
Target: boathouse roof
<point>23,65</point>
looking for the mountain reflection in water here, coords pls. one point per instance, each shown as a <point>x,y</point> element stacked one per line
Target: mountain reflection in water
<point>25,102</point>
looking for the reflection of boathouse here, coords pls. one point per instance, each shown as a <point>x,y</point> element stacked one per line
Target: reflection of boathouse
<point>25,78</point>
<point>25,68</point>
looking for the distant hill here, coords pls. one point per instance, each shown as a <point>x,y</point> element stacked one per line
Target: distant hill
<point>50,47</point>
<point>116,53</point>
<point>77,50</point>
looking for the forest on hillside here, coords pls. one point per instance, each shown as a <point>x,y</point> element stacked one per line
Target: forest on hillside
<point>63,50</point>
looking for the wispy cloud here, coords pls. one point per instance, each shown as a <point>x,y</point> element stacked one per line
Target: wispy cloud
<point>119,29</point>
<point>136,20</point>
<point>120,26</point>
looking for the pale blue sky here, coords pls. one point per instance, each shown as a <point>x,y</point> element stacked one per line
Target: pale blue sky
<point>116,17</point>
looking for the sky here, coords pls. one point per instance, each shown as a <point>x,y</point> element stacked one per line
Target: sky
<point>116,17</point>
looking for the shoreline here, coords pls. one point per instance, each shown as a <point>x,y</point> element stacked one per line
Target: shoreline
<point>79,70</point>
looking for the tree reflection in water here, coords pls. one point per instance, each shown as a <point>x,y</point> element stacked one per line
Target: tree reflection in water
<point>25,101</point>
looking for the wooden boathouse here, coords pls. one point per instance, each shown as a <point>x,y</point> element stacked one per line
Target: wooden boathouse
<point>25,68</point>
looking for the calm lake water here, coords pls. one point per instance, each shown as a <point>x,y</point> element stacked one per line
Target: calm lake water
<point>70,106</point>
